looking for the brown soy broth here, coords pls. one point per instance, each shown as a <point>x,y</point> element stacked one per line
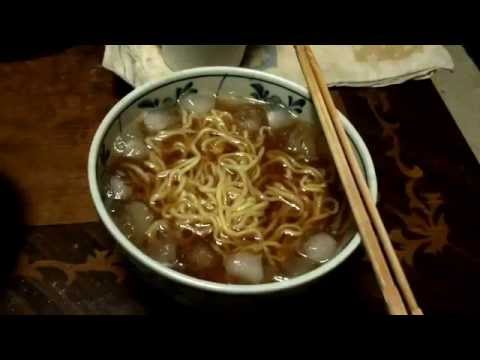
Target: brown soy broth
<point>186,242</point>
<point>234,105</point>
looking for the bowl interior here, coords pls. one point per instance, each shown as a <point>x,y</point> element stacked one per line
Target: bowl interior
<point>222,82</point>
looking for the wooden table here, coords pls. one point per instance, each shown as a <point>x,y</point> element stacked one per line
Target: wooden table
<point>56,258</point>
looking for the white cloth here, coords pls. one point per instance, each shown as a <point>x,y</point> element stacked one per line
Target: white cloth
<point>343,65</point>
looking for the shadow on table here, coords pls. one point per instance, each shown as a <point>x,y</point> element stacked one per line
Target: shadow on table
<point>13,228</point>
<point>20,53</point>
<point>338,293</point>
<point>121,87</point>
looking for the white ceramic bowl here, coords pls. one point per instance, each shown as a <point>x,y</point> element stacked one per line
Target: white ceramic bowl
<point>222,81</point>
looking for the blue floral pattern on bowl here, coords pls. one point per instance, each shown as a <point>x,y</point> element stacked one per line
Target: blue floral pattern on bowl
<point>261,93</point>
<point>154,103</point>
<point>221,84</point>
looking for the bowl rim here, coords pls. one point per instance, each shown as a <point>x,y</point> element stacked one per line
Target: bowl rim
<point>188,280</point>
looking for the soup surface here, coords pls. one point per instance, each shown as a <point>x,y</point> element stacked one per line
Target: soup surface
<point>229,190</point>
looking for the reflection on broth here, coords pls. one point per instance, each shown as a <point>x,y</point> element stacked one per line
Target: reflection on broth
<point>229,190</point>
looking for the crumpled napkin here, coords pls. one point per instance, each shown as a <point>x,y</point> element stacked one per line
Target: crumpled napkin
<point>343,65</point>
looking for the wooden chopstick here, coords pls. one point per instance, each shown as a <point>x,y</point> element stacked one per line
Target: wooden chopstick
<point>363,208</point>
<point>372,209</point>
<point>390,292</point>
